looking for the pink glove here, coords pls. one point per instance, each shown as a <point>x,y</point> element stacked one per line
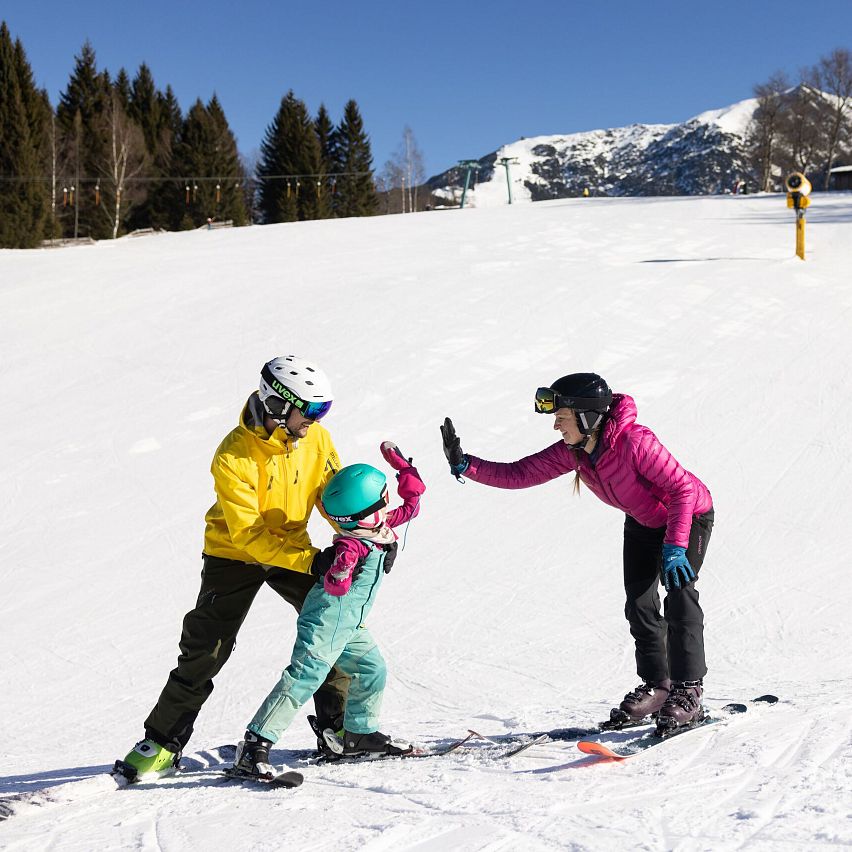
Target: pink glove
<point>393,456</point>
<point>349,556</point>
<point>410,483</point>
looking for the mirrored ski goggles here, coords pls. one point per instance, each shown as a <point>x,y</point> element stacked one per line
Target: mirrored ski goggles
<point>276,406</point>
<point>547,401</point>
<point>368,518</point>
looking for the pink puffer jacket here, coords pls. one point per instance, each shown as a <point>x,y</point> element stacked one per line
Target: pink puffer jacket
<point>633,472</point>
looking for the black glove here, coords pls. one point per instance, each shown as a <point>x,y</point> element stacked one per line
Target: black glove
<point>322,562</point>
<point>390,556</point>
<point>452,449</point>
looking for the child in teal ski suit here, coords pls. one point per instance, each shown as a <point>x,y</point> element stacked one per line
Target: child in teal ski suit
<point>330,630</point>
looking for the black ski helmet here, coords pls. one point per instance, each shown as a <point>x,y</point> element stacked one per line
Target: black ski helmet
<point>586,393</point>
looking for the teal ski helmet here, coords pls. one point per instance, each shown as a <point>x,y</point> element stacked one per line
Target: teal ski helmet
<point>355,496</point>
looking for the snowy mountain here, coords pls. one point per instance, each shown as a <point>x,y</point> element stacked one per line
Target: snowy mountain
<point>123,364</point>
<point>701,156</point>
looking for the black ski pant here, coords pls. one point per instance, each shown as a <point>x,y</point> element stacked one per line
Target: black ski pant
<point>670,645</point>
<point>209,635</point>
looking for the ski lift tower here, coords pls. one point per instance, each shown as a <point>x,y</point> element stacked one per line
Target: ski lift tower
<point>469,166</point>
<point>506,162</point>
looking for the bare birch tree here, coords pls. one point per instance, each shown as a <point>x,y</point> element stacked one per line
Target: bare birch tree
<point>404,173</point>
<point>762,133</point>
<point>832,75</point>
<point>802,129</point>
<point>126,158</point>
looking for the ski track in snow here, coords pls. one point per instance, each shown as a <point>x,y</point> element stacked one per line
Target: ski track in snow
<point>504,612</point>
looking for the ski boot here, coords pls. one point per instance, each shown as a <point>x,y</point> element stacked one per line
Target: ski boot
<point>355,745</point>
<point>646,700</point>
<point>682,708</point>
<point>329,742</point>
<point>147,760</point>
<point>252,758</point>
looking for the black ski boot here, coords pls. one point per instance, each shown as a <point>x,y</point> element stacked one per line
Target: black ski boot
<point>329,742</point>
<point>374,743</point>
<point>644,701</point>
<point>252,758</point>
<point>682,708</point>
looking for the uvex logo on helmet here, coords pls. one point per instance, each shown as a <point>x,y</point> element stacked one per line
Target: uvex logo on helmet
<point>285,392</point>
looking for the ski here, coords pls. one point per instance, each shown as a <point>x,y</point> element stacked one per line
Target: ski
<point>288,778</point>
<point>327,759</point>
<point>515,744</point>
<point>202,761</point>
<point>658,736</point>
<point>197,765</point>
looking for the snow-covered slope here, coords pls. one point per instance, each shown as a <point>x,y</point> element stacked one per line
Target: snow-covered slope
<point>123,364</point>
<point>700,156</point>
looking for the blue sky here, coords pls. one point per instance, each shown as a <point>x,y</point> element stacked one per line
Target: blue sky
<point>467,77</point>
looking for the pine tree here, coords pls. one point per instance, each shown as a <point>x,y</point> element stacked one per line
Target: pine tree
<point>121,87</point>
<point>170,205</point>
<point>79,117</point>
<point>171,112</point>
<point>289,165</point>
<point>206,154</point>
<point>356,191</point>
<point>23,195</point>
<point>328,162</point>
<point>159,119</point>
<point>226,165</point>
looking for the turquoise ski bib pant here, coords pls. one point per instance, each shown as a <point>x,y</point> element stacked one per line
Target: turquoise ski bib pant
<point>330,633</point>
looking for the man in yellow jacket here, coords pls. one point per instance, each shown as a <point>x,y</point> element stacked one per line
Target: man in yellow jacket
<point>268,473</point>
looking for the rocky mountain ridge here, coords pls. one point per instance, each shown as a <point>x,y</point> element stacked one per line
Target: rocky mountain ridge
<point>704,155</point>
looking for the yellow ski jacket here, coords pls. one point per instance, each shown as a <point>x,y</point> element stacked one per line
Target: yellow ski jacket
<point>266,488</point>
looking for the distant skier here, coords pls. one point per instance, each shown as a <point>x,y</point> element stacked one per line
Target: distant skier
<point>669,518</point>
<point>268,474</point>
<point>330,630</point>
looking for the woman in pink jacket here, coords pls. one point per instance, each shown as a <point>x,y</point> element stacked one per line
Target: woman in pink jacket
<point>668,520</point>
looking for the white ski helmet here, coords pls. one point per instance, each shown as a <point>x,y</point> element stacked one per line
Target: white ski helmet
<point>290,381</point>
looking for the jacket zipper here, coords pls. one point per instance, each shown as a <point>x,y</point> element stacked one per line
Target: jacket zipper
<point>372,588</point>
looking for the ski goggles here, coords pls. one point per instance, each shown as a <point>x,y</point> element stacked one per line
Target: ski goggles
<point>277,405</point>
<point>547,401</point>
<point>368,518</point>
<point>374,521</point>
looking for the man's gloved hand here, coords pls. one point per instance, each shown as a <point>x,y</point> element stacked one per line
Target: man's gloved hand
<point>452,449</point>
<point>676,568</point>
<point>390,556</point>
<point>322,561</point>
<point>410,483</point>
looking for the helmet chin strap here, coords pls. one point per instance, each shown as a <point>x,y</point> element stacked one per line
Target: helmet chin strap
<point>284,425</point>
<point>583,423</point>
<point>281,422</point>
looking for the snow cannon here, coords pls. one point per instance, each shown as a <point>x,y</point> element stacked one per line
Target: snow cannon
<point>798,190</point>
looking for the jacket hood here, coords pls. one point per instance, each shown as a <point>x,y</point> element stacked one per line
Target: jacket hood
<point>622,413</point>
<point>252,418</point>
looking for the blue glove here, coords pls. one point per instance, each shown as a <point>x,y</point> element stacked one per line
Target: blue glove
<point>676,567</point>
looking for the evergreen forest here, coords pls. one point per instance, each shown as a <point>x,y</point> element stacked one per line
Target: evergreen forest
<point>119,154</point>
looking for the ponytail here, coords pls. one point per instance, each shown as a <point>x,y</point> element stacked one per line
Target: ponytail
<point>596,434</point>
<point>577,480</point>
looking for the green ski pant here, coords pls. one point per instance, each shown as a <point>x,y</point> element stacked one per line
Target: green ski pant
<point>209,635</point>
<point>330,632</point>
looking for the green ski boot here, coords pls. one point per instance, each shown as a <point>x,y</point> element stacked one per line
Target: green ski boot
<point>147,760</point>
